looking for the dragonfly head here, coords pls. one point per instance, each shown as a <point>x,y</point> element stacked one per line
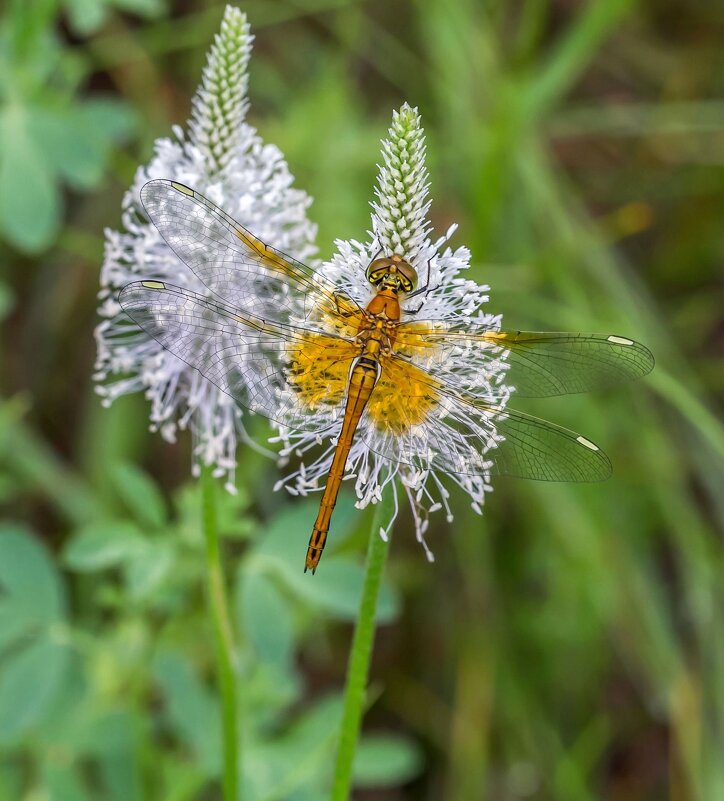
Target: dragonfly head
<point>392,272</point>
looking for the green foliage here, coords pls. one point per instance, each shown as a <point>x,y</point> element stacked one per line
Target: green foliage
<point>386,761</point>
<point>49,136</point>
<point>140,495</point>
<point>87,16</point>
<point>34,652</point>
<point>568,646</point>
<point>104,544</point>
<point>336,590</point>
<point>145,637</point>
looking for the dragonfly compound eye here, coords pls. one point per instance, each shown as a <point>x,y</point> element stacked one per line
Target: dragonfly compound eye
<point>404,273</point>
<point>378,269</point>
<point>408,276</point>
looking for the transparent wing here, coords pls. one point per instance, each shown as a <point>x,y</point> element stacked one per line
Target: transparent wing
<point>541,364</point>
<point>429,424</point>
<point>287,373</point>
<point>234,264</point>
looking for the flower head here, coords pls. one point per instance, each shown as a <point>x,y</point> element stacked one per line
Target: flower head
<point>400,226</point>
<point>225,159</point>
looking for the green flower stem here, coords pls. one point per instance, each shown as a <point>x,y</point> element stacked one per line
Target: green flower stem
<point>359,657</point>
<point>223,635</point>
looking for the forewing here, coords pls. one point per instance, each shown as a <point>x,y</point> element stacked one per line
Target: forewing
<point>469,436</point>
<point>542,364</point>
<point>234,264</point>
<point>257,362</point>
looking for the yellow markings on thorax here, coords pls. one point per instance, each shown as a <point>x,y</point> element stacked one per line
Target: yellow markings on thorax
<point>153,284</point>
<point>587,443</point>
<point>620,340</point>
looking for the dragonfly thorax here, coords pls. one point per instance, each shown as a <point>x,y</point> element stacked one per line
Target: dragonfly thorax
<point>393,272</point>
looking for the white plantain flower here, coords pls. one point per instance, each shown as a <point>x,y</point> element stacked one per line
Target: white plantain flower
<point>400,226</point>
<point>224,158</point>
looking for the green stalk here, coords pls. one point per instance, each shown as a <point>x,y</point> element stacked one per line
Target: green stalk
<point>359,657</point>
<point>226,678</point>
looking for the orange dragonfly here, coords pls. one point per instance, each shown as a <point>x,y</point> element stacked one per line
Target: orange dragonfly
<point>284,341</point>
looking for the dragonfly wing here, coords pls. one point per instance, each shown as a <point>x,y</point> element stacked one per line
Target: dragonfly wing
<point>233,263</point>
<point>541,364</point>
<point>294,376</point>
<point>429,424</point>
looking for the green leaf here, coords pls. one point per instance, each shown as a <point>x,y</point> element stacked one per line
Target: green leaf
<point>288,532</point>
<point>266,617</point>
<point>285,766</point>
<point>69,719</point>
<point>148,568</point>
<point>105,731</point>
<point>30,586</point>
<point>103,544</point>
<point>63,783</point>
<point>30,682</point>
<point>386,761</point>
<point>15,623</point>
<point>190,708</point>
<point>86,16</point>
<point>76,139</point>
<point>140,494</point>
<point>29,201</point>
<point>117,749</point>
<point>111,118</point>
<point>72,148</point>
<point>336,587</point>
<point>270,691</point>
<point>38,144</point>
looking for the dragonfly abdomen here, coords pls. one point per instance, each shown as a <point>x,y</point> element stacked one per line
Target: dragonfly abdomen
<point>363,377</point>
<point>374,337</point>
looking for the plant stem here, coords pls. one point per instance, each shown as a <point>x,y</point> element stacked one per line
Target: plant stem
<point>359,657</point>
<point>226,677</point>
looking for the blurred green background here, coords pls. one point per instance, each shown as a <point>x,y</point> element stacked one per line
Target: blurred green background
<point>566,646</point>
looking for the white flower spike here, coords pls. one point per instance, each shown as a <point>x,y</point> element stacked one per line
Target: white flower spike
<point>223,157</point>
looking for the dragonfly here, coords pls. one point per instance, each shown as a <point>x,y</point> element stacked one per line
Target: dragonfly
<point>284,341</point>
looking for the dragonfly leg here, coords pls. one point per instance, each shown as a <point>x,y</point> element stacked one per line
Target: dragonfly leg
<point>376,254</point>
<point>422,290</point>
<point>341,310</point>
